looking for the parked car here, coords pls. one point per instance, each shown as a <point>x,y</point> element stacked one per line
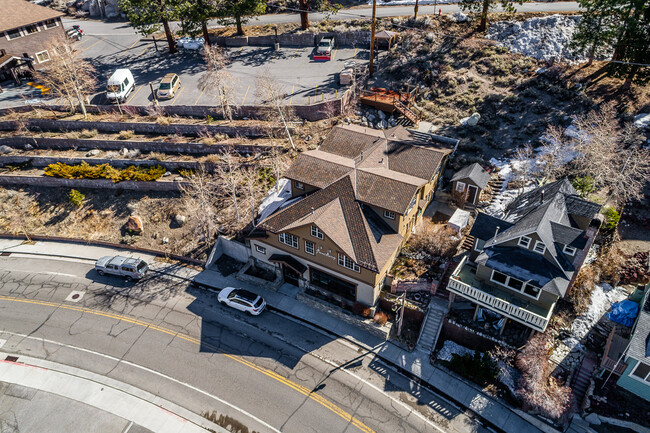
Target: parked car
<point>79,29</point>
<point>191,43</point>
<point>73,34</point>
<point>128,267</point>
<point>324,48</point>
<point>119,85</point>
<point>242,300</point>
<point>168,86</point>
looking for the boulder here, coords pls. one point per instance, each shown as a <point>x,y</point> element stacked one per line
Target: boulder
<point>28,146</point>
<point>124,151</point>
<point>5,149</point>
<point>165,240</point>
<point>180,220</point>
<point>459,17</point>
<point>134,225</point>
<point>93,152</point>
<point>471,120</point>
<point>382,115</point>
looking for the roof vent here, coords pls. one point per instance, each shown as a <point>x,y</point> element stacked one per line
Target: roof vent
<point>496,232</point>
<point>542,197</point>
<point>312,210</point>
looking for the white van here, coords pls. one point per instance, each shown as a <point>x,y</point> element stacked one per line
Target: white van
<point>120,84</point>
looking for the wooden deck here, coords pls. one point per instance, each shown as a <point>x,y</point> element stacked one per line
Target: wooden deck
<point>389,101</point>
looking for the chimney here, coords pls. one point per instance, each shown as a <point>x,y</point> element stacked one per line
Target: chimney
<point>542,197</point>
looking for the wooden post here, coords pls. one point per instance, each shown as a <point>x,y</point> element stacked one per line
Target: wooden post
<point>503,327</point>
<point>372,37</point>
<point>475,313</point>
<point>401,315</point>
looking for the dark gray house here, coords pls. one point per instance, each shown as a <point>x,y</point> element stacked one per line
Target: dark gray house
<point>521,264</point>
<point>470,180</point>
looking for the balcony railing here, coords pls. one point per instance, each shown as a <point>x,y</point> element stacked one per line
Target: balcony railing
<point>502,306</point>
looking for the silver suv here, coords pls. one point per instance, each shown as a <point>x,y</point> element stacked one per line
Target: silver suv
<point>128,267</point>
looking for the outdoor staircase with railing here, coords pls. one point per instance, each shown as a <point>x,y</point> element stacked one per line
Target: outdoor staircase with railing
<point>406,111</point>
<point>581,380</point>
<point>468,243</point>
<point>432,325</point>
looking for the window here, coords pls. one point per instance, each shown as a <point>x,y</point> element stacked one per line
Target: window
<point>260,249</point>
<point>32,28</point>
<point>298,185</point>
<point>289,239</point>
<point>641,371</point>
<point>500,278</point>
<point>539,247</point>
<point>13,34</point>
<point>514,283</point>
<point>390,215</point>
<point>531,290</point>
<point>43,56</point>
<point>569,250</point>
<point>413,200</point>
<point>460,186</point>
<point>346,262</point>
<point>49,24</point>
<point>524,241</point>
<point>315,232</point>
<point>309,247</point>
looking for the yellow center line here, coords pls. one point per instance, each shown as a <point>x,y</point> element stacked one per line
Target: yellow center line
<point>291,99</point>
<point>197,99</point>
<point>355,53</point>
<point>134,93</point>
<point>334,53</point>
<point>296,53</point>
<point>271,374</point>
<point>143,51</point>
<point>177,95</point>
<point>245,95</point>
<point>90,46</point>
<point>133,44</point>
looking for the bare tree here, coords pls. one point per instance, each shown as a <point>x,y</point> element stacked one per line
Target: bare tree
<point>218,81</point>
<point>554,154</point>
<point>271,93</point>
<point>229,172</point>
<point>199,196</point>
<point>250,175</point>
<point>277,163</point>
<point>67,75</point>
<point>523,167</point>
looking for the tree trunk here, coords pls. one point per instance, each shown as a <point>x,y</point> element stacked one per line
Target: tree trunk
<point>206,35</point>
<point>240,29</point>
<point>592,54</point>
<point>304,13</point>
<point>415,10</point>
<point>486,6</point>
<point>82,103</point>
<point>170,37</point>
<point>630,78</point>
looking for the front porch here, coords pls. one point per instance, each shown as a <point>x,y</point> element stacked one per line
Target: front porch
<point>463,282</point>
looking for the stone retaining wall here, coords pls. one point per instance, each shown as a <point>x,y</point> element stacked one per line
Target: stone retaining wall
<point>145,146</point>
<point>55,182</point>
<point>44,161</point>
<point>306,39</point>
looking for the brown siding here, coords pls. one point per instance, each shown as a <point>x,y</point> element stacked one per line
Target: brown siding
<point>295,192</point>
<point>32,43</point>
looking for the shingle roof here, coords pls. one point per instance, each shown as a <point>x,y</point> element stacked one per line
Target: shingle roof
<point>485,226</point>
<point>419,160</point>
<point>314,171</point>
<point>350,141</point>
<point>566,235</point>
<point>18,13</point>
<point>639,340</point>
<point>341,217</point>
<point>475,173</point>
<point>384,192</point>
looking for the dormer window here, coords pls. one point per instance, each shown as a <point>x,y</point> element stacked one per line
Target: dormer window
<point>315,232</point>
<point>570,251</point>
<point>298,185</point>
<point>524,241</point>
<point>390,215</point>
<point>539,247</point>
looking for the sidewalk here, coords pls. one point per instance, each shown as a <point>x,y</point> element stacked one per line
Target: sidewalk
<point>414,363</point>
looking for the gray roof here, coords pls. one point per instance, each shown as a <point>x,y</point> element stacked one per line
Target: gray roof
<point>475,173</point>
<point>546,211</point>
<point>641,335</point>
<point>485,226</point>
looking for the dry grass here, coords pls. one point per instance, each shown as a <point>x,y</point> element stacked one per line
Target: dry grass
<point>125,135</point>
<point>580,294</point>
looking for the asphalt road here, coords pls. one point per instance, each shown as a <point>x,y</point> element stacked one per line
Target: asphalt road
<point>160,335</point>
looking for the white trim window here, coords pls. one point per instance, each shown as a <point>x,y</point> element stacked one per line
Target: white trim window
<point>298,185</point>
<point>390,215</point>
<point>347,263</point>
<point>641,372</point>
<point>289,239</point>
<point>460,186</point>
<point>309,248</point>
<point>316,232</point>
<point>524,241</point>
<point>13,34</point>
<point>260,249</point>
<point>43,56</point>
<point>31,28</point>
<point>50,24</point>
<point>515,284</point>
<point>539,247</point>
<point>571,251</point>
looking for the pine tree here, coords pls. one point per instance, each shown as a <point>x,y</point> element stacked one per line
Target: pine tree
<point>482,7</point>
<point>146,16</point>
<point>632,47</point>
<point>194,16</point>
<point>597,29</point>
<point>239,12</point>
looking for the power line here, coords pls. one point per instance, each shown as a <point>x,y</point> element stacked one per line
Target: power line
<point>446,35</point>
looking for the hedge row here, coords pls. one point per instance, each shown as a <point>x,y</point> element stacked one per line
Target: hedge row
<point>104,171</point>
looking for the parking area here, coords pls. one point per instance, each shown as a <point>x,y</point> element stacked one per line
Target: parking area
<point>110,46</point>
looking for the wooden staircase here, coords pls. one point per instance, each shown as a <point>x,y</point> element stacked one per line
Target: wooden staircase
<point>468,243</point>
<point>581,380</point>
<point>406,112</point>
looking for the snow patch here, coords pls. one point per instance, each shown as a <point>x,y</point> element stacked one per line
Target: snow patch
<point>543,38</point>
<point>642,121</point>
<point>450,348</point>
<point>602,297</point>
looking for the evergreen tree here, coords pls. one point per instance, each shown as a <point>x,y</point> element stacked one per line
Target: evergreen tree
<point>194,16</point>
<point>633,45</point>
<point>597,29</point>
<point>320,5</point>
<point>146,16</point>
<point>239,12</point>
<point>482,7</point>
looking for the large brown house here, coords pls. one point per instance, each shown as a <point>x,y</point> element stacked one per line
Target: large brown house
<point>25,31</point>
<point>355,200</point>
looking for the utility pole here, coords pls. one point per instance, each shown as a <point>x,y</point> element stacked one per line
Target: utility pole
<point>372,37</point>
<point>415,10</point>
<point>153,94</point>
<point>401,315</point>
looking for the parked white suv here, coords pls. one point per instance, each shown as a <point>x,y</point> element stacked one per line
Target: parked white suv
<point>128,267</point>
<point>242,300</point>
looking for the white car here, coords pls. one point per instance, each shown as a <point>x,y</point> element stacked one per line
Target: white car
<point>242,300</point>
<point>191,44</point>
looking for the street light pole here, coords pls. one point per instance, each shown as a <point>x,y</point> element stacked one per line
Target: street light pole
<point>372,37</point>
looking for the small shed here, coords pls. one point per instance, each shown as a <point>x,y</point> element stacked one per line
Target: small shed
<point>385,37</point>
<point>470,180</point>
<point>458,220</point>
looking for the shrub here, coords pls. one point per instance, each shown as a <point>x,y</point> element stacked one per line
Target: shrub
<point>380,318</point>
<point>76,198</point>
<point>87,133</point>
<point>479,367</point>
<point>209,119</point>
<point>104,171</point>
<point>584,185</point>
<point>125,135</point>
<point>612,217</point>
<point>437,240</point>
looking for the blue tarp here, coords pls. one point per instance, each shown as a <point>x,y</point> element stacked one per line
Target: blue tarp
<point>624,312</point>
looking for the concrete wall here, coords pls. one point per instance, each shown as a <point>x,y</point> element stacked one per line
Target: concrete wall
<point>55,182</point>
<point>231,248</point>
<point>146,146</point>
<point>306,39</point>
<point>44,161</point>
